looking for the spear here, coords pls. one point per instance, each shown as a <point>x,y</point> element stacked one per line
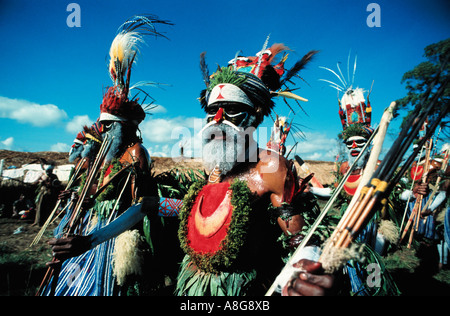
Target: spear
<point>438,180</point>
<point>76,215</point>
<point>383,179</point>
<point>415,216</point>
<point>409,197</point>
<point>288,267</point>
<point>50,217</point>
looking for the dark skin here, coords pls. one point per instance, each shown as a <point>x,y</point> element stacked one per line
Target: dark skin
<point>269,176</point>
<point>72,246</point>
<point>310,282</point>
<point>422,188</point>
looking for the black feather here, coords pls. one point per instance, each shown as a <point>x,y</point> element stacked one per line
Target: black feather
<point>299,65</point>
<point>143,24</point>
<point>204,68</point>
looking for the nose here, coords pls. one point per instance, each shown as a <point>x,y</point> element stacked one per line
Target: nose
<point>354,145</point>
<point>219,116</point>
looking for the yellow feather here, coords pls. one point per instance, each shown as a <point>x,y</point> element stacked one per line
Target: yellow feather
<point>289,95</point>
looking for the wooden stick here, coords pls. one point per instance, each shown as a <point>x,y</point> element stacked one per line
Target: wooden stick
<point>54,270</point>
<point>409,222</point>
<point>89,181</point>
<point>322,214</point>
<point>50,217</point>
<point>372,162</point>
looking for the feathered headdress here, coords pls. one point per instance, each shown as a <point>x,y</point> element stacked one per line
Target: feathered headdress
<point>259,79</point>
<point>355,113</point>
<point>280,131</point>
<point>117,105</point>
<point>94,132</point>
<point>79,139</point>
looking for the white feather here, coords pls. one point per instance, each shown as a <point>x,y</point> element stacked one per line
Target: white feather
<point>354,70</point>
<point>123,48</point>
<point>335,84</point>
<point>342,76</point>
<point>353,97</point>
<point>334,74</point>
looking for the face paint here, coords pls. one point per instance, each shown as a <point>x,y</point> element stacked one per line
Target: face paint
<point>239,115</point>
<point>236,119</point>
<point>226,135</point>
<point>355,144</point>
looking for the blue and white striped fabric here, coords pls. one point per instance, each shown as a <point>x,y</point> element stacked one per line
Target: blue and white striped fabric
<point>426,228</point>
<point>90,274</point>
<point>356,275</point>
<point>447,227</point>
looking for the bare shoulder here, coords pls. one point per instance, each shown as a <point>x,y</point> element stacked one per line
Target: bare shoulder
<point>271,162</point>
<point>137,154</point>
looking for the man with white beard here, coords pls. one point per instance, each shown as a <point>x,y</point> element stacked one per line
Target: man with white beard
<point>227,226</point>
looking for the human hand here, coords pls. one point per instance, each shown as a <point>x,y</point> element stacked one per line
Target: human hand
<point>68,247</point>
<point>310,282</point>
<point>421,188</point>
<point>64,194</point>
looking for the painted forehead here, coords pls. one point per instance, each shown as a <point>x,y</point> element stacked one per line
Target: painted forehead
<point>226,92</point>
<point>356,138</point>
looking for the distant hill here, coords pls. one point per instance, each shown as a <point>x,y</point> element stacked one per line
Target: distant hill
<point>323,170</point>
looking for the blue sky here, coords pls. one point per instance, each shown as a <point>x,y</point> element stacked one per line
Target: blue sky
<point>53,75</point>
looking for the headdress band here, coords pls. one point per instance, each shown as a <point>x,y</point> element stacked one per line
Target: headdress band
<point>230,93</point>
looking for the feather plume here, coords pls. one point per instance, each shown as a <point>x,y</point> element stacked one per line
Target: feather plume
<point>204,68</point>
<point>261,53</point>
<point>340,72</point>
<point>125,46</point>
<point>334,73</point>
<point>276,49</point>
<point>301,64</point>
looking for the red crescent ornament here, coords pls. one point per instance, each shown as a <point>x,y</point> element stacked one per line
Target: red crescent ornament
<point>352,183</point>
<point>210,218</point>
<point>416,172</point>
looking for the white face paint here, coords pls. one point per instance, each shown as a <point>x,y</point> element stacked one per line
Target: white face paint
<point>225,136</point>
<point>355,144</point>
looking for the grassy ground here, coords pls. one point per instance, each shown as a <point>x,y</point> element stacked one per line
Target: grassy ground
<point>415,276</point>
<point>22,268</point>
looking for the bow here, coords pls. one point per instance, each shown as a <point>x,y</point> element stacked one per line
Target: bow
<point>387,175</point>
<point>76,214</point>
<point>374,194</point>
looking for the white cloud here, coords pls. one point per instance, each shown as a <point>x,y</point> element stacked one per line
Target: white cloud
<point>159,151</point>
<point>163,137</point>
<point>7,143</point>
<point>32,113</point>
<point>156,109</point>
<point>77,123</point>
<point>170,130</point>
<point>60,147</point>
<point>317,146</point>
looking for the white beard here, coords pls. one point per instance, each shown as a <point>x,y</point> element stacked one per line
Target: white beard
<point>361,163</point>
<point>223,153</point>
